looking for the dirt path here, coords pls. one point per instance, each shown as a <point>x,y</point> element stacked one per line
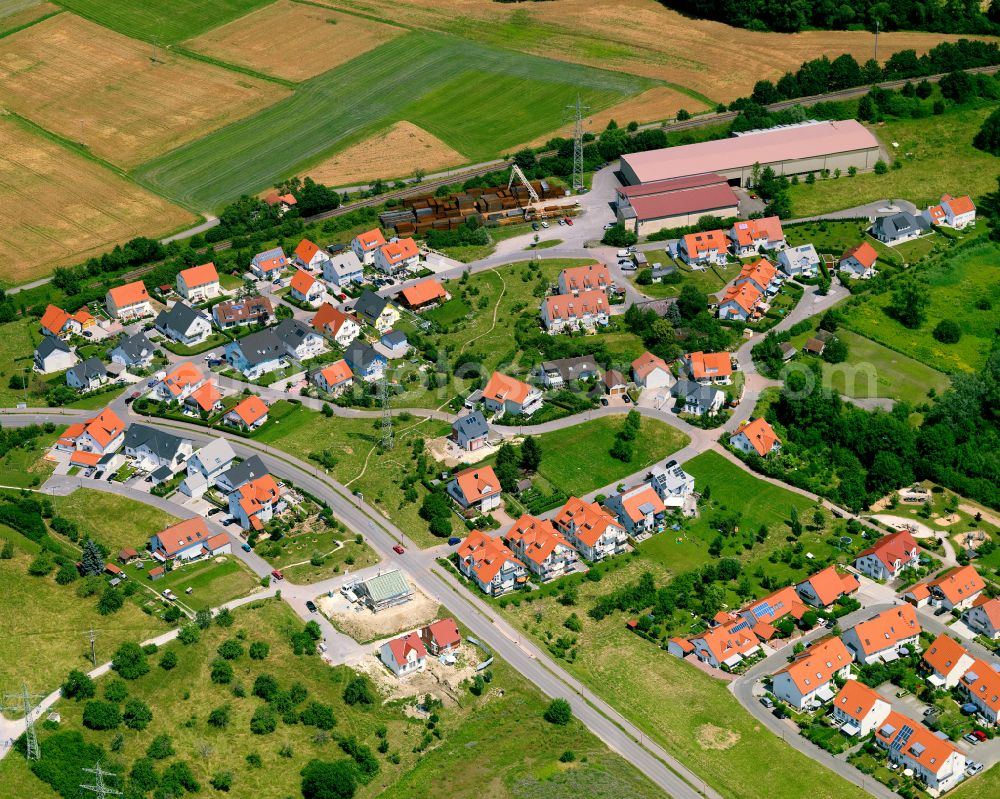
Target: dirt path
<point>972,510</point>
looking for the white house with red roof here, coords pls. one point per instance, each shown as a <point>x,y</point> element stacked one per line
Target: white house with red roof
<point>807,681</point>
<point>199,283</point>
<point>397,255</point>
<point>249,414</point>
<point>269,264</point>
<point>984,617</point>
<point>957,588</point>
<point>330,321</point>
<point>639,509</point>
<point>946,662</point>
<point>404,655</point>
<point>750,236</point>
<point>762,275</point>
<point>477,488</point>
<point>936,762</point>
<point>102,434</point>
<point>441,637</point>
<point>592,277</point>
<point>129,302</point>
<point>206,398</point>
<point>883,635</point>
<point>740,302</point>
<point>594,532</point>
<point>859,261</point>
<point>954,212</point>
<point>981,686</point>
<point>889,556</point>
<point>541,547</point>
<point>306,288</point>
<point>508,395</point>
<point>826,586</point>
<point>179,383</point>
<point>490,564</point>
<point>57,322</point>
<point>724,645</point>
<point>704,248</point>
<point>858,709</point>
<point>253,504</point>
<point>366,244</point>
<point>184,540</point>
<point>568,312</point>
<point>334,378</point>
<point>709,368</point>
<point>310,256</point>
<point>651,371</point>
<point>756,436</point>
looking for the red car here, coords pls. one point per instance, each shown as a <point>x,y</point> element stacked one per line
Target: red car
<point>398,549</point>
<point>277,575</point>
<point>568,221</point>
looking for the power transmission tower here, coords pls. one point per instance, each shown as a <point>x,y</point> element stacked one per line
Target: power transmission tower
<point>383,394</point>
<point>576,112</point>
<point>23,702</point>
<point>103,791</point>
<point>92,637</point>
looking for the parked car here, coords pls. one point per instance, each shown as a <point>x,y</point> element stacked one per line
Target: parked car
<point>214,512</point>
<point>766,702</point>
<point>277,575</point>
<point>310,606</point>
<point>568,221</point>
<point>562,222</point>
<point>972,738</point>
<point>151,383</point>
<point>609,225</point>
<point>545,225</point>
<point>604,401</point>
<point>941,611</point>
<point>779,712</point>
<point>398,549</point>
<point>972,768</point>
<point>626,399</point>
<point>454,540</point>
<point>246,547</point>
<point>535,226</point>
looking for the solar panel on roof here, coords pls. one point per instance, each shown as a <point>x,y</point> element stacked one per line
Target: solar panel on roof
<point>902,738</point>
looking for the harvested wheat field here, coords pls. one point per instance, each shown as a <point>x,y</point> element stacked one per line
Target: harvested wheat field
<point>59,208</point>
<point>323,39</point>
<point>15,13</point>
<point>641,37</point>
<point>102,89</point>
<point>394,153</point>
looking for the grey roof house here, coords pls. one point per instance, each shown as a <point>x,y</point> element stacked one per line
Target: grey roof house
<point>53,355</point>
<point>384,590</point>
<point>898,227</point>
<point>88,375</point>
<point>370,306</point>
<point>154,449</point>
<point>299,340</point>
<point>697,399</point>
<point>364,361</point>
<point>241,474</point>
<point>566,370</point>
<point>801,260</point>
<point>471,431</point>
<point>134,351</point>
<point>257,354</point>
<point>184,324</point>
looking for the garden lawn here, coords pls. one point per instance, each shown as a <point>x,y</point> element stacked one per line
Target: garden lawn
<point>937,157</point>
<point>44,624</point>
<point>296,552</point>
<point>112,520</point>
<point>163,23</point>
<point>27,467</point>
<point>709,280</point>
<point>953,285</point>
<point>576,459</point>
<point>18,340</point>
<point>215,581</point>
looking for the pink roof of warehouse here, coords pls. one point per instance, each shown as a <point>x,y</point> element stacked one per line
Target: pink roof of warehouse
<point>770,146</point>
<point>690,201</point>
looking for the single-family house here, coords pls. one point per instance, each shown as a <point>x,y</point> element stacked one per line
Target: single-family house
<point>129,302</point>
<point>704,248</point>
<point>425,294</point>
<point>134,352</point>
<point>365,362</point>
<point>53,355</point>
<point>330,321</point>
<point>696,399</point>
<point>396,343</point>
<point>218,544</point>
<point>87,375</point>
<point>709,367</point>
<point>584,311</point>
<point>858,709</point>
<point>750,236</point>
<point>957,588</point>
<point>249,414</point>
<point>826,586</point>
<point>918,595</point>
<point>153,450</point>
<point>984,617</point>
<point>955,212</point>
<point>397,255</point>
<point>762,275</point>
<point>594,532</point>
<point>299,340</point>
<point>57,322</point>
<point>366,244</point>
<point>376,310</point>
<point>253,504</point>
<point>935,761</point>
<point>981,686</point>
<point>179,383</point>
<point>199,283</point>
<point>257,354</point>
<point>343,269</point>
<point>441,637</point>
<point>241,474</point>
<point>946,662</point>
<point>102,434</point>
<point>182,541</point>
<point>898,227</point>
<point>763,614</point>
<point>651,371</point>
<point>724,645</point>
<point>476,488</point>
<point>404,655</point>
<point>801,261</point>
<point>209,462</point>
<point>184,324</point>
<point>565,371</point>
<point>883,635</point>
<point>268,265</point>
<point>859,261</point>
<point>306,288</point>
<point>756,436</point>
<point>614,383</point>
<point>206,397</point>
<point>311,256</point>
<point>470,432</point>
<point>283,202</point>
<point>490,564</point>
<point>673,486</point>
<point>510,396</point>
<point>541,547</point>
<point>578,279</point>
<point>740,302</point>
<point>639,509</point>
<point>888,556</point>
<point>385,589</point>
<point>240,313</point>
<point>807,681</point>
<point>335,378</point>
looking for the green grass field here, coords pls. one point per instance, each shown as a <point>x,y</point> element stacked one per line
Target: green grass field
<point>26,467</point>
<point>954,284</point>
<point>134,522</point>
<point>937,157</point>
<point>213,582</point>
<point>576,458</point>
<point>164,23</point>
<point>710,280</point>
<point>478,99</point>
<point>292,554</point>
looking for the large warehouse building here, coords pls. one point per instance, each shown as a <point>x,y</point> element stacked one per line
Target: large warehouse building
<point>661,204</point>
<point>788,150</point>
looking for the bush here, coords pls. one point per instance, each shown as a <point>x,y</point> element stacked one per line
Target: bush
<point>224,618</point>
<point>222,780</point>
<point>559,712</point>
<point>230,649</point>
<point>254,760</point>
<point>266,687</point>
<point>618,236</point>
<point>189,634</point>
<point>137,714</point>
<point>259,650</point>
<point>880,167</point>
<point>567,756</point>
<point>78,686</point>
<point>360,691</point>
<point>111,601</point>
<point>98,715</point>
<point>160,748</point>
<point>316,714</point>
<point>130,661</point>
<point>222,672</point>
<point>324,780</point>
<point>168,660</point>
<point>264,721</point>
<point>178,777</point>
<point>947,331</point>
<point>219,718</point>
<point>115,690</point>
<point>143,775</point>
<point>42,565</point>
